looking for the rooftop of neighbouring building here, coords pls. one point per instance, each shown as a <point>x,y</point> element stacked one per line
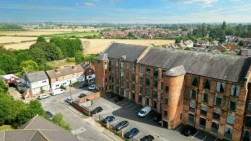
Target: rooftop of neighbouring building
<point>36,76</point>
<point>65,71</point>
<point>36,129</point>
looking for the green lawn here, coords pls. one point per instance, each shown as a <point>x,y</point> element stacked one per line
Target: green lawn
<point>6,127</point>
<point>77,34</point>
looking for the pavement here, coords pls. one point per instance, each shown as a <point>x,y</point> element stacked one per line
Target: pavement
<point>83,127</point>
<point>128,110</point>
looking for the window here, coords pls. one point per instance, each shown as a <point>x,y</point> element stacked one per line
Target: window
<point>202,123</point>
<point>155,83</point>
<point>232,105</point>
<point>148,70</point>
<point>230,119</point>
<point>246,136</point>
<point>166,101</point>
<point>165,114</point>
<point>193,94</point>
<point>155,94</point>
<point>216,113</point>
<point>140,89</point>
<point>203,110</point>
<point>207,84</point>
<point>140,98</point>
<point>215,127</point>
<point>127,85</point>
<point>195,81</point>
<point>191,119</point>
<point>133,77</point>
<point>235,90</point>
<point>249,107</point>
<point>127,65</point>
<point>133,87</point>
<point>154,104</point>
<point>192,106</point>
<point>220,87</point>
<point>147,91</point>
<point>122,65</point>
<point>156,72</point>
<point>147,82</point>
<point>205,98</point>
<point>133,67</point>
<point>167,89</point>
<point>140,68</point>
<point>248,121</point>
<point>122,82</point>
<point>141,80</point>
<point>228,132</point>
<point>218,101</point>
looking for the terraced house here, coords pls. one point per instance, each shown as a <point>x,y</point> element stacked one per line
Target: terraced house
<point>208,91</point>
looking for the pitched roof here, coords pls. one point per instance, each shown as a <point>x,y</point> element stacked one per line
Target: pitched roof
<point>36,76</point>
<point>225,67</point>
<point>65,71</point>
<point>128,51</point>
<point>38,129</point>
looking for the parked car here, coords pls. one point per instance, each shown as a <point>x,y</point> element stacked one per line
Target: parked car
<point>82,95</point>
<point>110,95</point>
<point>43,96</point>
<point>92,87</point>
<point>144,112</point>
<point>130,134</point>
<point>49,114</point>
<point>188,130</point>
<point>119,98</point>
<point>121,125</point>
<point>157,117</point>
<point>108,119</point>
<point>84,85</point>
<point>97,110</point>
<point>147,138</point>
<point>57,92</point>
<point>69,100</point>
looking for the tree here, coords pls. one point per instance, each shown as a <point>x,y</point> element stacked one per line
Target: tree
<point>79,57</point>
<point>41,39</point>
<point>224,26</point>
<point>58,119</point>
<point>29,66</point>
<point>8,64</point>
<point>23,56</point>
<point>5,105</point>
<point>3,87</point>
<point>2,72</point>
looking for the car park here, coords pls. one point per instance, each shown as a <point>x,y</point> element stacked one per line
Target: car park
<point>92,87</point>
<point>188,130</point>
<point>84,85</point>
<point>82,95</point>
<point>43,96</point>
<point>147,138</point>
<point>57,92</point>
<point>144,112</point>
<point>49,114</point>
<point>119,98</point>
<point>108,119</point>
<point>69,100</point>
<point>130,134</point>
<point>97,110</point>
<point>121,125</point>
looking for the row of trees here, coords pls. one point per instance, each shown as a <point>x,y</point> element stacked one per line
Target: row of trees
<point>36,57</point>
<point>10,27</point>
<point>16,113</point>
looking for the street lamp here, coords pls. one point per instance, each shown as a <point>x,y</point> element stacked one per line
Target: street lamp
<point>70,89</point>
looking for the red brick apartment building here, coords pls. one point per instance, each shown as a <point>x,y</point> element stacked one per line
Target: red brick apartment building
<point>208,91</point>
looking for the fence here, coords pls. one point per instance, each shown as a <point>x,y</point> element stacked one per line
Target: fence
<point>82,109</point>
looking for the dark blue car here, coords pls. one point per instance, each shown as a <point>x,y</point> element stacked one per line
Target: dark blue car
<point>130,134</point>
<point>108,119</point>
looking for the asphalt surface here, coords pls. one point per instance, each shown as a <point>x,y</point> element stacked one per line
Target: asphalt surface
<point>128,110</point>
<point>81,127</point>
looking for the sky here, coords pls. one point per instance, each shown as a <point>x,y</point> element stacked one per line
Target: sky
<point>126,11</point>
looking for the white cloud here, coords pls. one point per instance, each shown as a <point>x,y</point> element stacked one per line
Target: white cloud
<point>87,4</point>
<point>195,1</point>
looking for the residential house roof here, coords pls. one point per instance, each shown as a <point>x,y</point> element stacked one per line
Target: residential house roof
<point>65,71</point>
<point>36,76</point>
<point>225,67</point>
<point>38,129</point>
<point>128,51</point>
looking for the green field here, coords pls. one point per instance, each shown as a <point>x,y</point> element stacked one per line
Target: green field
<point>76,34</point>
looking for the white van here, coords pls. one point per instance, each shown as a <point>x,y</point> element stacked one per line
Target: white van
<point>145,111</point>
<point>43,96</point>
<point>57,92</point>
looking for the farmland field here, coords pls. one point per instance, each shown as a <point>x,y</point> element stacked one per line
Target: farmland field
<point>93,46</point>
<point>39,32</point>
<point>8,39</point>
<point>77,34</point>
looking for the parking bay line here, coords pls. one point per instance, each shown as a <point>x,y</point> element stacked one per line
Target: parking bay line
<point>204,138</point>
<point>129,105</point>
<point>178,128</point>
<point>195,135</point>
<point>134,107</point>
<point>124,103</point>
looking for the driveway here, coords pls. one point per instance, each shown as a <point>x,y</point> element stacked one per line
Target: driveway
<point>128,110</point>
